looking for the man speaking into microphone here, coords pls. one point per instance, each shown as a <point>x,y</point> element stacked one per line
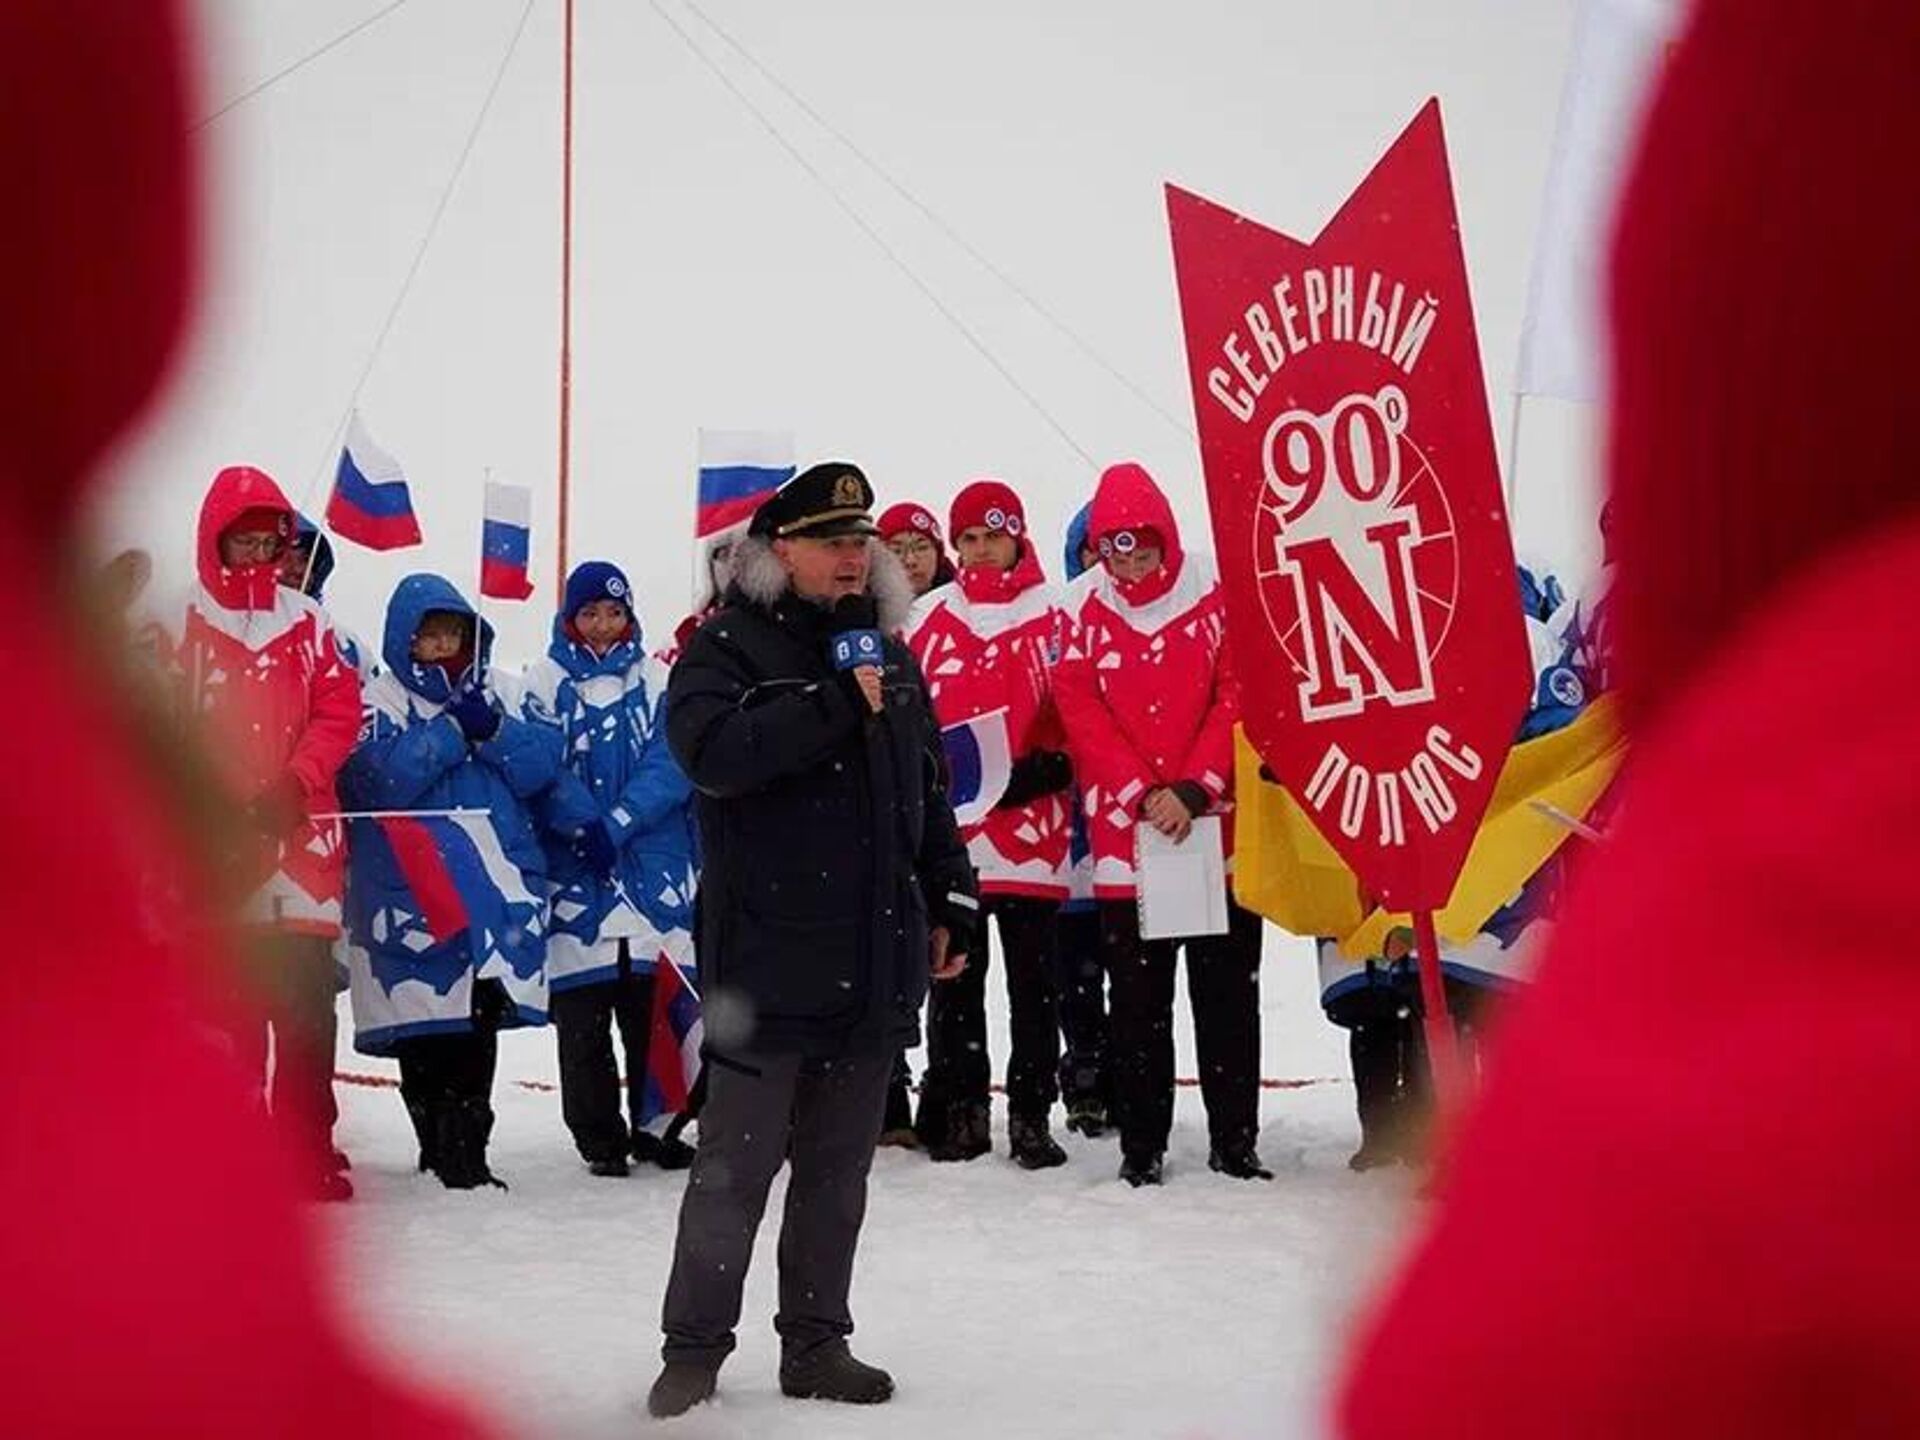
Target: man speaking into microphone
<point>833,885</point>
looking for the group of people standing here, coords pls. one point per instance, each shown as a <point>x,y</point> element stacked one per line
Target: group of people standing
<point>1119,703</point>
<point>556,796</point>
<point>766,802</point>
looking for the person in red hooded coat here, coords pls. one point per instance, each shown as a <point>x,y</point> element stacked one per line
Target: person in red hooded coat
<point>989,642</point>
<point>1684,1204</point>
<point>1149,702</point>
<point>159,1276</point>
<point>261,674</point>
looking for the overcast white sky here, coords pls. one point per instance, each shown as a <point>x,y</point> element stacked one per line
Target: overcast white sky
<point>718,284</point>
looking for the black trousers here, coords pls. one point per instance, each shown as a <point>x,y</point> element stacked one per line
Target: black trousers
<point>1389,1077</point>
<point>1223,987</point>
<point>822,1119</point>
<point>584,1018</point>
<point>445,1073</point>
<point>959,1067</point>
<point>289,984</point>
<point>1081,979</point>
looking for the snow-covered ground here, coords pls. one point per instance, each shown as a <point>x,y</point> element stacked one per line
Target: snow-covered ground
<point>1007,1304</point>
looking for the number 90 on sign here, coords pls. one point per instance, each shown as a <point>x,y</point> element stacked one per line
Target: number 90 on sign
<point>1356,444</point>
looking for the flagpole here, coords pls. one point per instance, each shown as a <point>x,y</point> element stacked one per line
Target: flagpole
<point>1443,1050</point>
<point>479,814</point>
<point>566,305</point>
<point>1513,459</point>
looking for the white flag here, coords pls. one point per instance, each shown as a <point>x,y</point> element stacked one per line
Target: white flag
<point>1619,47</point>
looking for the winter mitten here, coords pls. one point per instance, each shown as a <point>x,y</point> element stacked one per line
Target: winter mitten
<point>475,715</point>
<point>1041,773</point>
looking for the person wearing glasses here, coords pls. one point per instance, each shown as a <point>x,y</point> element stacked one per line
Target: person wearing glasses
<point>260,675</point>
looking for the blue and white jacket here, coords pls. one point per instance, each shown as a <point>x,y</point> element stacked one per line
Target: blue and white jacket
<point>609,714</point>
<point>413,756</point>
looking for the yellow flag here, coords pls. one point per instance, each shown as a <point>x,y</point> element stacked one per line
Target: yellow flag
<point>1285,870</point>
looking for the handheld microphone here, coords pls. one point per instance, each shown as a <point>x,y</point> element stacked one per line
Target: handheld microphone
<point>856,650</point>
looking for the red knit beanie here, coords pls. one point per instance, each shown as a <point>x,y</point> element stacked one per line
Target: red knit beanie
<point>910,517</point>
<point>990,505</point>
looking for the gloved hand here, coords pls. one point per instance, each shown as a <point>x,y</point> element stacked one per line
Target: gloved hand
<point>596,847</point>
<point>1043,772</point>
<point>474,713</point>
<point>960,921</point>
<point>277,811</point>
<point>853,612</point>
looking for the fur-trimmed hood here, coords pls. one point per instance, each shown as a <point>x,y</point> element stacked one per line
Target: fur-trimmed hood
<point>761,579</point>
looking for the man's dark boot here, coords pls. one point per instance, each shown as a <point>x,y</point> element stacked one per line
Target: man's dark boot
<point>1030,1141</point>
<point>1138,1169</point>
<point>681,1386</point>
<point>829,1372</point>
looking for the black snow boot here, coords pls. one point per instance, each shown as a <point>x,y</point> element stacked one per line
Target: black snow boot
<point>1373,1154</point>
<point>1241,1162</point>
<point>461,1138</point>
<point>681,1386</point>
<point>896,1128</point>
<point>1087,1115</point>
<point>1138,1170</point>
<point>829,1372</point>
<point>968,1133</point>
<point>426,1130</point>
<point>667,1151</point>
<point>1031,1144</point>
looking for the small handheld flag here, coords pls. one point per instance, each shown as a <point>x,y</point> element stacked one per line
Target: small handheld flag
<point>673,1043</point>
<point>505,542</point>
<point>979,765</point>
<point>370,504</point>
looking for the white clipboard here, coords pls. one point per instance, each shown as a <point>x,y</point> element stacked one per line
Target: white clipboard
<point>1181,888</point>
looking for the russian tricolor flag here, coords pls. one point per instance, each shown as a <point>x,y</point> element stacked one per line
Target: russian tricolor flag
<point>738,470</point>
<point>419,851</point>
<point>505,540</point>
<point>370,504</point>
<point>673,1043</point>
<point>979,765</point>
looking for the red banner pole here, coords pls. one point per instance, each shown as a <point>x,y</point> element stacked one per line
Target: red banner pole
<point>566,307</point>
<point>1443,1049</point>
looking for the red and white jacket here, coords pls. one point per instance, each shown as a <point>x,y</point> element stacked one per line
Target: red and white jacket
<point>990,639</point>
<point>259,670</point>
<point>1144,688</point>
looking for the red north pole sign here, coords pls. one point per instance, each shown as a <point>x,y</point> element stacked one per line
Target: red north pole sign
<point>1357,513</point>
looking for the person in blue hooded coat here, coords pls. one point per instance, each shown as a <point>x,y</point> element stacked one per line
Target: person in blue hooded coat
<point>622,891</point>
<point>433,738</point>
<point>1082,979</point>
<point>1376,999</point>
<point>306,565</point>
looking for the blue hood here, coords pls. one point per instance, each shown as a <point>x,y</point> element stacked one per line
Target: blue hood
<point>412,598</point>
<point>306,533</point>
<point>1076,541</point>
<point>582,664</point>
